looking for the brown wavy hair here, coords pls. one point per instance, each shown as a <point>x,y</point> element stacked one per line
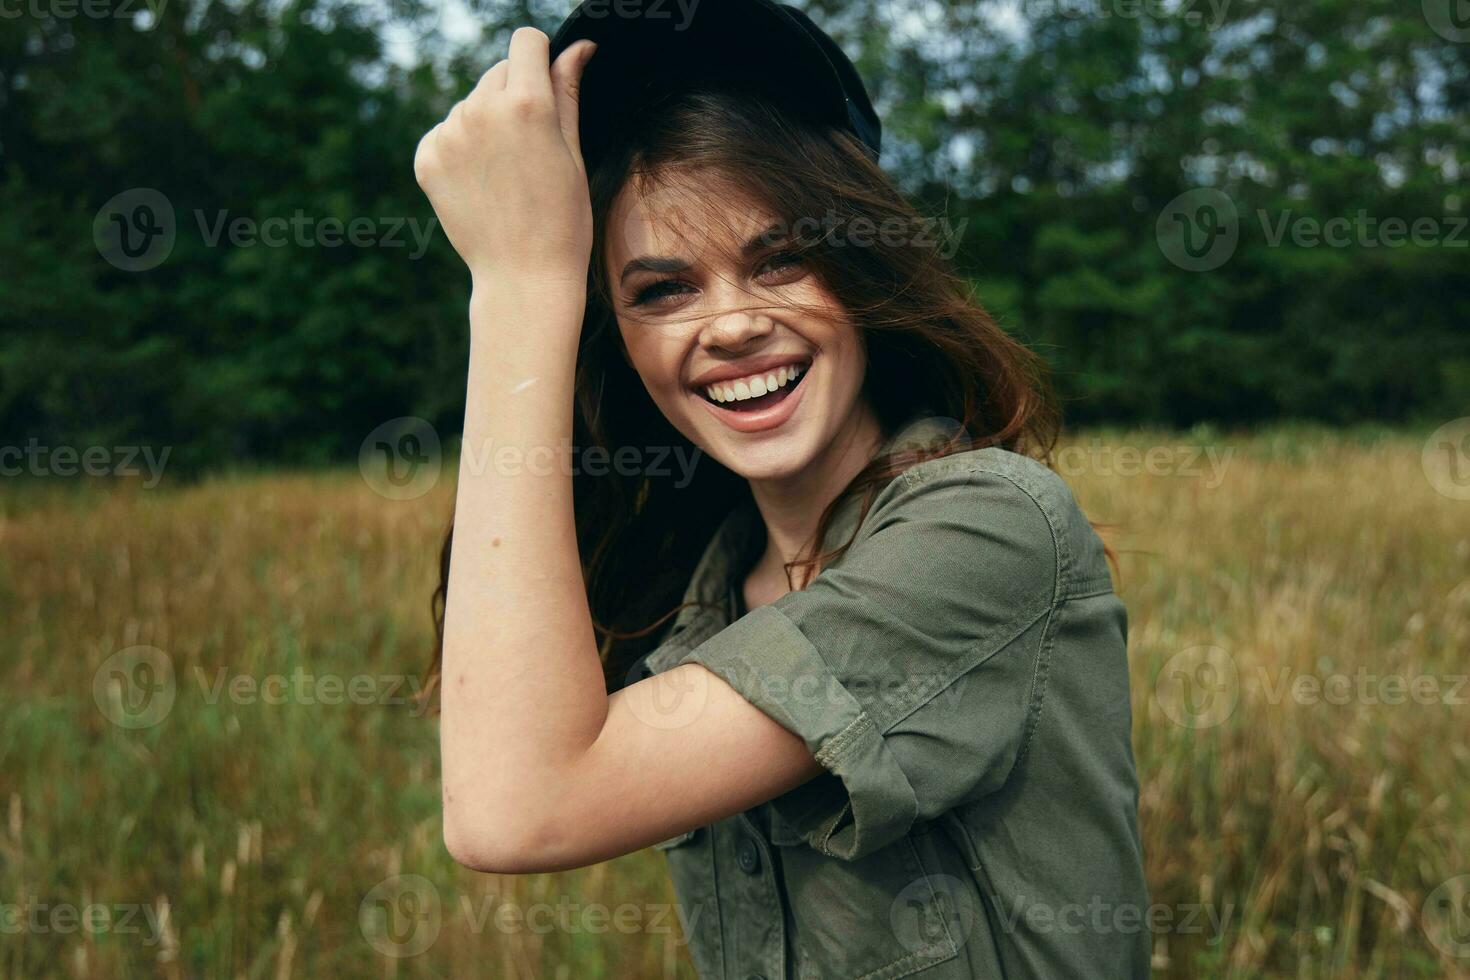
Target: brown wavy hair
<point>932,349</point>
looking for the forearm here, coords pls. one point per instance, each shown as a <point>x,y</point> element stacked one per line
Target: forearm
<point>522,691</point>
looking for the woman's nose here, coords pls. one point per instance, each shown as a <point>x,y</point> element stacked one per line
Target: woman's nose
<point>735,328</point>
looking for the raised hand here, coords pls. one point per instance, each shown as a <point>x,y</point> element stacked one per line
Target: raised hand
<point>504,170</point>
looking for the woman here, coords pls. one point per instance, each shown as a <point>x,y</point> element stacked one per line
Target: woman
<point>887,731</point>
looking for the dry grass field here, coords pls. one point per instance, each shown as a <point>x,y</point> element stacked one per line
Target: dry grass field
<point>210,767</point>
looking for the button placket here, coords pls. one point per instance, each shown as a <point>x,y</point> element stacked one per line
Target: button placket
<point>762,900</point>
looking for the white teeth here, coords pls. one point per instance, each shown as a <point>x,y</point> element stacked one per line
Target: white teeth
<point>753,386</point>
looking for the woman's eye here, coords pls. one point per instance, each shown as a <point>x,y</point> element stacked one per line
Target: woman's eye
<point>654,291</point>
<point>658,290</point>
<point>784,260</point>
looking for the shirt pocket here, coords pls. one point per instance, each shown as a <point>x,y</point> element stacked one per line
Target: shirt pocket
<point>878,917</point>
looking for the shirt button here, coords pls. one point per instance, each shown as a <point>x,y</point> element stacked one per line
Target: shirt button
<point>748,857</point>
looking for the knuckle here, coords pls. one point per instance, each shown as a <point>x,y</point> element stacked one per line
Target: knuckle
<point>471,113</point>
<point>423,154</point>
<point>527,106</point>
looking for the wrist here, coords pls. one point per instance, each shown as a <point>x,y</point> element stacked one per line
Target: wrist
<point>497,287</point>
<point>540,319</point>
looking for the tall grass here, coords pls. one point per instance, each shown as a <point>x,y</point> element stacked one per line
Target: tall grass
<point>233,837</point>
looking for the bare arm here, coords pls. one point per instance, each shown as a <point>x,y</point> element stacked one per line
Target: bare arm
<point>541,769</point>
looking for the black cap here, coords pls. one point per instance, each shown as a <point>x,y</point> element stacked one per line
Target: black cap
<point>647,48</point>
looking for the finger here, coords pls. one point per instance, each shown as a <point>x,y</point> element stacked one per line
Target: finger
<point>530,62</point>
<point>566,84</point>
<point>493,80</point>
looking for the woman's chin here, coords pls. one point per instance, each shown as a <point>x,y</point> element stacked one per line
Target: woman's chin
<point>774,456</point>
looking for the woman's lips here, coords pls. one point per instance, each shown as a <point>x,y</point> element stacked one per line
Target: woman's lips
<point>768,415</point>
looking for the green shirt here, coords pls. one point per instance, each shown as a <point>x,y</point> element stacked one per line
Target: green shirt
<point>961,673</point>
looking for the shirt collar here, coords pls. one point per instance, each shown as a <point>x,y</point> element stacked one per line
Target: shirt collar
<point>728,548</point>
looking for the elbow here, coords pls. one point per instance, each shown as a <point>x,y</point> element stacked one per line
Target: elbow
<point>497,843</point>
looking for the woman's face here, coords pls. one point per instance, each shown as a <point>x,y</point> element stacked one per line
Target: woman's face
<point>739,345</point>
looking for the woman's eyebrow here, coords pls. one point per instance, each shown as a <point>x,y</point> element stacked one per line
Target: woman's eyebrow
<point>773,234</point>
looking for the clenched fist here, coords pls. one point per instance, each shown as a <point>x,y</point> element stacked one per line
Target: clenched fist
<point>504,170</point>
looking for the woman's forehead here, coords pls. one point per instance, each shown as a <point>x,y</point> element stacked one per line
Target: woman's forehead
<point>684,216</point>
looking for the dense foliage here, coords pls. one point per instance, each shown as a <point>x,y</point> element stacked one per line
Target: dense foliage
<point>304,295</point>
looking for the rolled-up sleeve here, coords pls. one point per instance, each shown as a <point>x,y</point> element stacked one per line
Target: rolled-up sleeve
<point>913,667</point>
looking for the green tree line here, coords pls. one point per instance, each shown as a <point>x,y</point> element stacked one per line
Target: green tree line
<point>1230,212</point>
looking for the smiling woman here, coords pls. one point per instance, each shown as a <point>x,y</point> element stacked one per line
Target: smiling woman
<point>888,730</point>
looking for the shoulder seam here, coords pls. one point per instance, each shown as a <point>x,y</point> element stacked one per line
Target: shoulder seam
<point>909,476</point>
<point>1041,668</point>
